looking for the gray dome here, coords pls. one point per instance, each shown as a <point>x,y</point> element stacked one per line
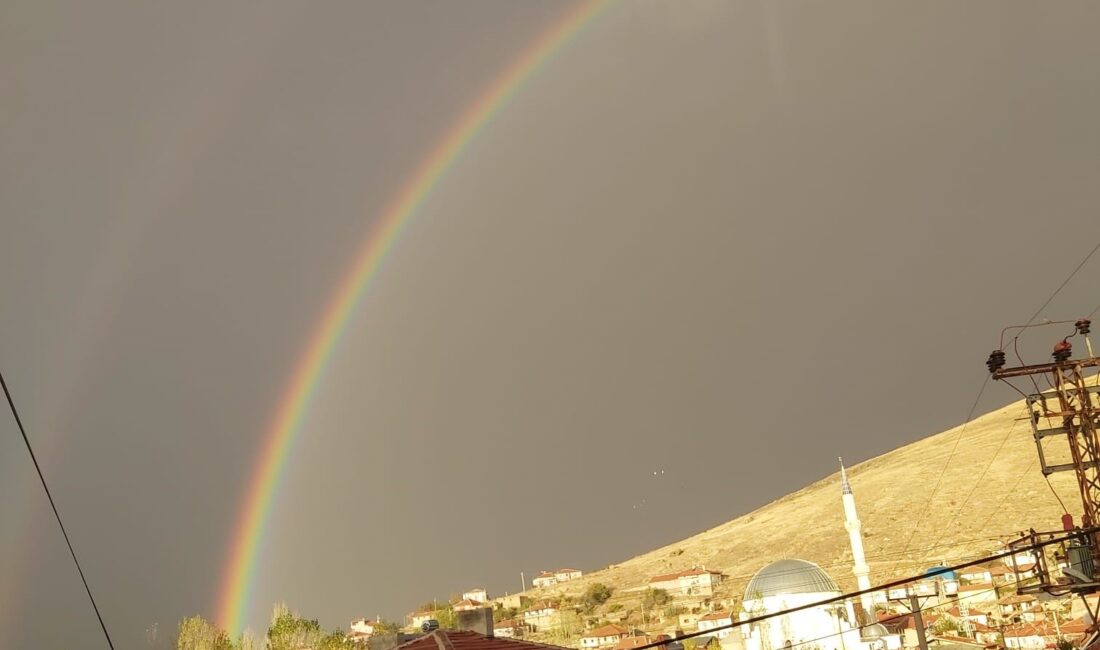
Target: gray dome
<point>789,577</point>
<point>874,631</point>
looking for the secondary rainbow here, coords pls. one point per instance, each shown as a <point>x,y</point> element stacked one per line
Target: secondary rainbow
<point>235,591</point>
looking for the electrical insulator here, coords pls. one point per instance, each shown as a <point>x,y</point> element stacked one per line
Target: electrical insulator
<point>1062,351</point>
<point>1083,326</point>
<point>996,361</point>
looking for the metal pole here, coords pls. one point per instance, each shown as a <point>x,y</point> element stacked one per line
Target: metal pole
<point>918,621</point>
<point>522,581</point>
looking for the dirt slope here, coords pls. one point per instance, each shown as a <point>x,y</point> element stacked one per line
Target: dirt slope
<point>991,488</point>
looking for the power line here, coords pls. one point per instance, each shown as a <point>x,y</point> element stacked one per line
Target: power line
<point>1063,285</point>
<point>981,476</point>
<point>947,463</point>
<point>56,514</point>
<point>970,416</point>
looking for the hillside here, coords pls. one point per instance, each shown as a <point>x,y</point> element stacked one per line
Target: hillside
<point>967,515</point>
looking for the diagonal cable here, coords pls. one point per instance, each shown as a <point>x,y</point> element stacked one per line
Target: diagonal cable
<point>56,514</point>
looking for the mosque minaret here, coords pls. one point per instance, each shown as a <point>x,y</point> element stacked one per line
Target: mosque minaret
<point>855,537</point>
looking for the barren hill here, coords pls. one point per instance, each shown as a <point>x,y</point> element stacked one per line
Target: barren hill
<point>986,482</point>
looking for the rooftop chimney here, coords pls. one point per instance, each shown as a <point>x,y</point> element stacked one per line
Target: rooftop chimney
<point>475,620</point>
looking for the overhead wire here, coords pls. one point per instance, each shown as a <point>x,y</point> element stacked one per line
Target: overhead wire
<point>947,463</point>
<point>53,505</point>
<point>970,415</point>
<point>859,628</point>
<point>981,476</point>
<point>1063,285</point>
<point>855,594</point>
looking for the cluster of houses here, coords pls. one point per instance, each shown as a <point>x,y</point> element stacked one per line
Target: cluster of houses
<point>551,578</point>
<point>981,607</point>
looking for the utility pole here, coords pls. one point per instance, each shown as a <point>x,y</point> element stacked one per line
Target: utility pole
<point>1069,410</point>
<point>918,621</point>
<point>522,581</point>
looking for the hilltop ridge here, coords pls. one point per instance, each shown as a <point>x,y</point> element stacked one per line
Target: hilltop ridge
<point>987,486</point>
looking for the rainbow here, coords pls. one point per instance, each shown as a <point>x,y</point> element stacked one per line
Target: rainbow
<point>235,591</point>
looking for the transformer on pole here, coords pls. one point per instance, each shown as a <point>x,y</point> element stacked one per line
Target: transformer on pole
<point>1069,410</point>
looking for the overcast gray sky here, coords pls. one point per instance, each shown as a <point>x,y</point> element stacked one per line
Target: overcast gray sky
<point>727,240</point>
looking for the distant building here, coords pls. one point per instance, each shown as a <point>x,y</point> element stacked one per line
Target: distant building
<point>607,636</point>
<point>467,605</point>
<point>716,620</point>
<point>632,642</point>
<point>565,575</point>
<point>1013,607</point>
<point>510,628</point>
<point>544,579</point>
<point>1042,634</point>
<point>542,615</point>
<point>694,581</point>
<point>477,595</point>
<point>360,630</point>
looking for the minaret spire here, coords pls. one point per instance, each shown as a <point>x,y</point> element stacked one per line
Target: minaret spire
<point>860,569</point>
<point>845,486</point>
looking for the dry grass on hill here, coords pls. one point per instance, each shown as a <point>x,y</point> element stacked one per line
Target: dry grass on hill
<point>991,488</point>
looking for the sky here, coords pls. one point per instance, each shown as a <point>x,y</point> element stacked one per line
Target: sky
<point>722,241</point>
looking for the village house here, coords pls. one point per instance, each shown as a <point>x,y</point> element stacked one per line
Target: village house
<point>977,594</point>
<point>544,579</point>
<point>716,620</point>
<point>973,615</point>
<point>362,626</point>
<point>477,595</point>
<point>510,628</point>
<point>542,615</point>
<point>467,605</point>
<point>632,642</point>
<point>565,575</point>
<point>360,630</point>
<point>1013,607</point>
<point>694,581</point>
<point>1030,636</point>
<point>976,574</point>
<point>607,636</point>
<point>512,601</point>
<point>985,634</point>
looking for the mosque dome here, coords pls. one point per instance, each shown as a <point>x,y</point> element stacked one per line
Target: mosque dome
<point>789,577</point>
<point>874,631</point>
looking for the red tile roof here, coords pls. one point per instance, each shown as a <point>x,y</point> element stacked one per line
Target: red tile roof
<point>717,616</point>
<point>608,630</point>
<point>977,586</point>
<point>449,640</point>
<point>631,642</point>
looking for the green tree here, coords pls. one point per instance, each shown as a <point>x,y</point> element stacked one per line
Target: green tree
<point>596,595</point>
<point>290,631</point>
<point>336,640</point>
<point>196,633</point>
<point>386,627</point>
<point>655,598</point>
<point>504,614</point>
<point>945,625</point>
